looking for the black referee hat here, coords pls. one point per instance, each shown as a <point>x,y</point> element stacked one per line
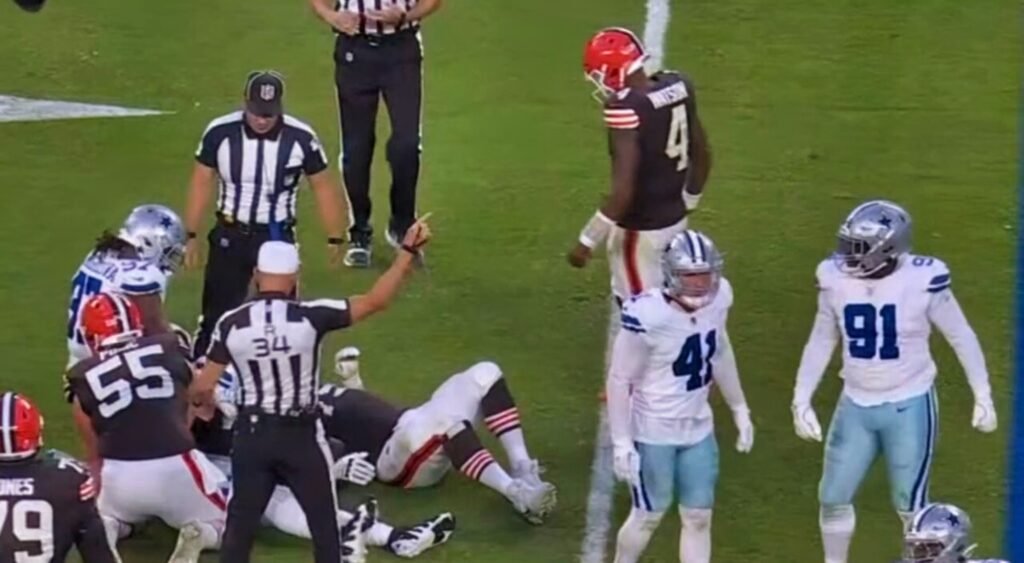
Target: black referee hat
<point>264,91</point>
<point>30,5</point>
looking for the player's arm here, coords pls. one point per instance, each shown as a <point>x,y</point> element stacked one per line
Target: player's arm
<point>728,378</point>
<point>817,353</point>
<point>700,154</point>
<point>628,361</point>
<point>624,141</point>
<point>90,442</point>
<point>91,539</point>
<point>151,307</point>
<point>201,392</point>
<point>945,313</point>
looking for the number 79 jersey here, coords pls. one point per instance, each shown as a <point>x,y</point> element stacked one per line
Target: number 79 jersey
<point>884,326</point>
<point>670,401</point>
<point>136,399</point>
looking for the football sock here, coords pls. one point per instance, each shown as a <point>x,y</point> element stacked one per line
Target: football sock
<point>905,518</point>
<point>379,534</point>
<point>210,534</point>
<point>634,535</point>
<point>837,524</point>
<point>474,461</point>
<point>695,537</point>
<point>502,418</point>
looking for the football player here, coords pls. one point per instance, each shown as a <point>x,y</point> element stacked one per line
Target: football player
<point>416,447</point>
<point>213,437</point>
<point>131,409</point>
<point>47,500</point>
<point>137,262</point>
<point>660,161</point>
<point>940,533</point>
<point>880,301</point>
<point>672,345</point>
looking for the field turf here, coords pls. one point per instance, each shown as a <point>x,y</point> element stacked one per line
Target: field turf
<point>810,105</point>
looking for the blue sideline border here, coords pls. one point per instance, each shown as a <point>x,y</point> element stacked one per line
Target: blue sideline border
<point>1015,490</point>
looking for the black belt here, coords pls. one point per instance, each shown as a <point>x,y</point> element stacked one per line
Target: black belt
<point>229,222</point>
<point>376,39</point>
<point>305,415</point>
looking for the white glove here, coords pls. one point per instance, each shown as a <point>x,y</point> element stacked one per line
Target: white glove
<point>984,418</point>
<point>626,464</point>
<point>805,422</point>
<point>355,469</point>
<point>744,429</point>
<point>346,365</point>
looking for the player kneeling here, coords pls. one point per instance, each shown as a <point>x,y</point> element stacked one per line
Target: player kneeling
<point>131,410</point>
<point>47,497</point>
<point>940,533</point>
<point>661,424</point>
<point>416,447</point>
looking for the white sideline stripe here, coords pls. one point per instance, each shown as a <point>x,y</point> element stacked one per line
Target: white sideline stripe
<point>602,478</point>
<point>13,108</point>
<point>602,493</point>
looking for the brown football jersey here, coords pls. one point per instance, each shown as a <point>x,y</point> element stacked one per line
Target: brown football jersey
<point>360,420</point>
<point>137,399</point>
<point>660,115</point>
<point>47,505</point>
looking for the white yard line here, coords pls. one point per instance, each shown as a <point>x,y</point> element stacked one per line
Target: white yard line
<point>602,479</point>
<point>13,108</point>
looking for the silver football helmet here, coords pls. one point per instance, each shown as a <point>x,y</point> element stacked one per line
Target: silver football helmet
<point>157,233</point>
<point>692,267</point>
<point>872,236</point>
<point>939,533</point>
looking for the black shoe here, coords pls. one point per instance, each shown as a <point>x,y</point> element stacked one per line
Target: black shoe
<point>353,534</point>
<point>410,542</point>
<point>358,255</point>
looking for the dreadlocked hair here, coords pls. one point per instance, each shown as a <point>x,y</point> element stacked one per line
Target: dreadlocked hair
<point>108,241</point>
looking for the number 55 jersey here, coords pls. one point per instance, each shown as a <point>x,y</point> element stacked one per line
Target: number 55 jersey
<point>884,325</point>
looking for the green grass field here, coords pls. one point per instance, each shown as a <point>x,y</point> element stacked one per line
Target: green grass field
<point>810,107</point>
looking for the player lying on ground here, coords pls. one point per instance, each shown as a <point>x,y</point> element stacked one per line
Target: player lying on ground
<point>880,302</point>
<point>131,410</point>
<point>416,447</point>
<point>137,262</point>
<point>673,343</point>
<point>940,533</point>
<point>660,161</point>
<point>213,437</point>
<point>47,500</point>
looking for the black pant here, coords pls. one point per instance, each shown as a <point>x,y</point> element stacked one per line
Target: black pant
<point>367,68</point>
<point>268,450</point>
<point>229,266</point>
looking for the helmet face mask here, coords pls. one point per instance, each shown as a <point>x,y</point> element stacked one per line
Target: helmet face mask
<point>609,57</point>
<point>158,235</point>
<point>692,269</point>
<point>939,533</point>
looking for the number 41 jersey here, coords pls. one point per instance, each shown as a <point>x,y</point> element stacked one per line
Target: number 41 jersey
<point>670,400</point>
<point>884,326</point>
<point>136,399</point>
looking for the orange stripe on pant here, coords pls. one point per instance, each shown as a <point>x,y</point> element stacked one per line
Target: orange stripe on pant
<point>418,458</point>
<point>197,476</point>
<point>629,244</point>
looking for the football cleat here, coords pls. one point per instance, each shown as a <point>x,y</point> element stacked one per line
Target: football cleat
<point>533,502</point>
<point>190,545</point>
<point>413,541</point>
<point>528,471</point>
<point>353,534</point>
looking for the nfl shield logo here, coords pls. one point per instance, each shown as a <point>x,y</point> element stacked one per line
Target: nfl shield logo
<point>267,92</point>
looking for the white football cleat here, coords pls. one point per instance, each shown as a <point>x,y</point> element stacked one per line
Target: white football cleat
<point>190,544</point>
<point>413,541</point>
<point>533,502</point>
<point>353,534</point>
<point>528,471</point>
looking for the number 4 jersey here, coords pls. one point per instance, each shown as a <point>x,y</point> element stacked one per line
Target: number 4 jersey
<point>660,115</point>
<point>136,399</point>
<point>884,325</point>
<point>670,357</point>
<point>47,506</point>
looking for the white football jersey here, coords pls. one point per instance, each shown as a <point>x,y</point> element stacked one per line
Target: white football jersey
<point>104,272</point>
<point>670,400</point>
<point>884,326</point>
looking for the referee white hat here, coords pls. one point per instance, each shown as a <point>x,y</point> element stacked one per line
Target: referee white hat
<point>278,257</point>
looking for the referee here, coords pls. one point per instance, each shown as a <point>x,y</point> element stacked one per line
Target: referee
<point>378,53</point>
<point>274,343</point>
<point>256,158</point>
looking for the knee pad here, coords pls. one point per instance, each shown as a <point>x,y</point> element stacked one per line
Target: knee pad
<point>485,374</point>
<point>837,516</point>
<point>695,518</point>
<point>646,521</point>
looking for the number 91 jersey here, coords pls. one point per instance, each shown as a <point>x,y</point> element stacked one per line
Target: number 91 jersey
<point>136,399</point>
<point>670,401</point>
<point>885,324</point>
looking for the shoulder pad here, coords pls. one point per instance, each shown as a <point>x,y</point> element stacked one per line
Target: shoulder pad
<point>725,293</point>
<point>140,278</point>
<point>826,273</point>
<point>641,311</point>
<point>934,273</point>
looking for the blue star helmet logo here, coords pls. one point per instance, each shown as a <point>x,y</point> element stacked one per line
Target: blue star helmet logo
<point>953,520</point>
<point>166,222</point>
<point>885,221</point>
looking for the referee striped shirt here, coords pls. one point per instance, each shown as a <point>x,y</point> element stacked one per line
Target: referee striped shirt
<point>274,344</point>
<point>370,27</point>
<point>259,174</point>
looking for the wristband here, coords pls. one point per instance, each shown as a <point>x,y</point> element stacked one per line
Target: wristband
<point>335,241</point>
<point>411,250</point>
<point>596,230</point>
<point>190,235</point>
<point>401,21</point>
<point>691,200</point>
